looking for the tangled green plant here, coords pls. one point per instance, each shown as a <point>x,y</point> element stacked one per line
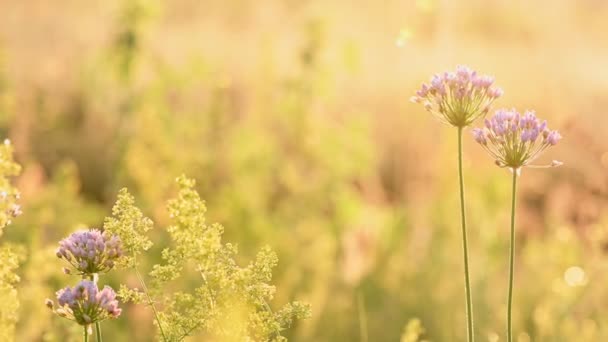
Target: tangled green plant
<point>9,261</point>
<point>131,226</point>
<point>9,257</point>
<point>8,194</point>
<point>230,302</point>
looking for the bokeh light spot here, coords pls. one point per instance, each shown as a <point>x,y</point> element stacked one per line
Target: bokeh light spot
<point>404,36</point>
<point>425,5</point>
<point>574,276</point>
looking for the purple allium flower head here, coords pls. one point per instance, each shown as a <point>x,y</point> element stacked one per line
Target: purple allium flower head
<point>458,98</point>
<point>515,140</point>
<point>90,251</point>
<point>85,304</point>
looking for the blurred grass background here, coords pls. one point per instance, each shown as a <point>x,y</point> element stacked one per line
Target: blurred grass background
<point>293,117</point>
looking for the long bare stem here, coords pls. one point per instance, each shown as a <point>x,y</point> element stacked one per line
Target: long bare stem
<point>151,303</point>
<point>511,257</point>
<point>465,252</point>
<point>98,338</point>
<point>98,332</point>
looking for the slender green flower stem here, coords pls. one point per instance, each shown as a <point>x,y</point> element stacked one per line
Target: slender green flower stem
<point>151,303</point>
<point>511,257</point>
<point>98,332</point>
<point>465,251</point>
<point>362,317</point>
<point>97,324</point>
<point>85,334</point>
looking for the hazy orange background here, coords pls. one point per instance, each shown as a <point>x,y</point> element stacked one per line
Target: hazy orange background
<point>132,93</point>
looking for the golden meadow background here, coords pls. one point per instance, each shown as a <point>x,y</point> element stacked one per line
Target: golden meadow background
<point>293,117</point>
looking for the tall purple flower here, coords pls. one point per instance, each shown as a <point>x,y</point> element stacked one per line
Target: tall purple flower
<point>515,140</point>
<point>85,304</point>
<point>458,98</point>
<point>91,251</point>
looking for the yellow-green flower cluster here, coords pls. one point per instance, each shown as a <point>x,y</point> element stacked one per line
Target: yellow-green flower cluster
<point>9,259</point>
<point>230,301</point>
<point>8,194</point>
<point>131,226</point>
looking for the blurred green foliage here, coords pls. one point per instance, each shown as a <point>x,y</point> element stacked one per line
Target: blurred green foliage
<point>9,255</point>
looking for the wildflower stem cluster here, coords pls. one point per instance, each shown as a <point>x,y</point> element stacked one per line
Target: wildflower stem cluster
<point>514,140</point>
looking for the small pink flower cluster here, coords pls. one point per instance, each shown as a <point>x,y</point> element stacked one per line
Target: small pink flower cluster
<point>458,98</point>
<point>515,140</point>
<point>90,251</point>
<point>85,304</point>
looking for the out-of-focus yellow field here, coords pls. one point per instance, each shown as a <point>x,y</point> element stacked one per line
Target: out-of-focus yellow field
<point>294,119</point>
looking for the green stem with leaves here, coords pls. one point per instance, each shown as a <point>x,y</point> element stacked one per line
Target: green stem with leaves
<point>465,252</point>
<point>511,257</point>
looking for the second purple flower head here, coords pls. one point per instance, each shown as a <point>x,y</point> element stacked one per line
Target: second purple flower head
<point>515,140</point>
<point>85,303</point>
